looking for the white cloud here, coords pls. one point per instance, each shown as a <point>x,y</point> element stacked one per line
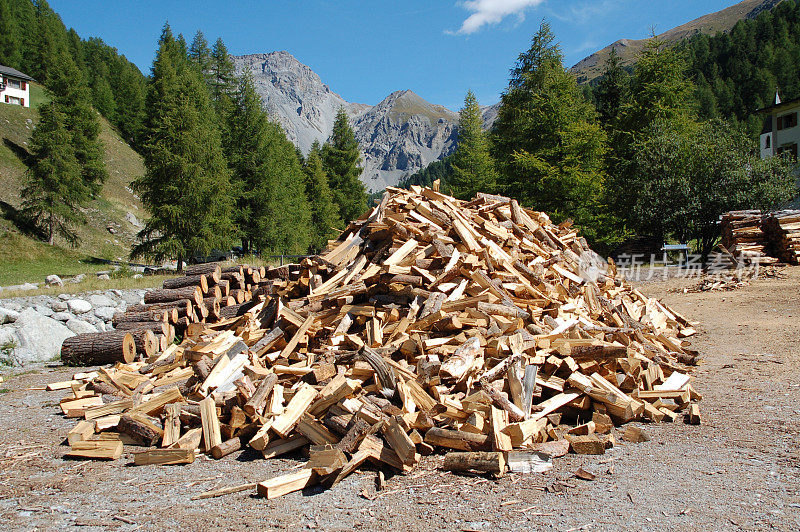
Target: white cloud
<point>486,12</point>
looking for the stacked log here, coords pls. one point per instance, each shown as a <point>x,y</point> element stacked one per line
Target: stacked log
<point>743,236</point>
<point>783,228</point>
<point>431,324</point>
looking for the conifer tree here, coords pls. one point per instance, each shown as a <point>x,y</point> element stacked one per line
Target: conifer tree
<point>547,142</point>
<point>200,55</point>
<point>10,37</point>
<point>472,166</point>
<point>611,89</point>
<point>70,93</point>
<point>272,211</point>
<point>54,189</point>
<point>341,159</point>
<point>186,184</point>
<point>324,215</point>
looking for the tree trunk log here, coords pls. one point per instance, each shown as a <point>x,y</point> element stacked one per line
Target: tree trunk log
<point>189,280</point>
<point>165,295</point>
<point>158,327</point>
<point>146,342</point>
<point>138,430</point>
<point>97,349</point>
<point>147,315</point>
<point>203,269</point>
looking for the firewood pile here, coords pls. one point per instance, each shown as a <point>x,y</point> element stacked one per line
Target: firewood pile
<point>783,228</point>
<point>431,324</point>
<point>743,236</point>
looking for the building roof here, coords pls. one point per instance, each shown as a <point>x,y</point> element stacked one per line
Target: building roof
<point>13,72</point>
<point>783,106</point>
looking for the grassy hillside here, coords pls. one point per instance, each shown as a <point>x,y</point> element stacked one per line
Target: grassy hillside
<point>628,49</point>
<point>23,259</point>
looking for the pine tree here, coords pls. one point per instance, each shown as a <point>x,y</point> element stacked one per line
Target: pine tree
<point>49,43</point>
<point>200,55</point>
<point>547,143</point>
<point>341,159</point>
<point>272,211</point>
<point>611,89</point>
<point>186,184</point>
<point>130,103</point>
<point>324,215</point>
<point>53,190</point>
<point>72,96</point>
<point>10,37</point>
<point>472,166</point>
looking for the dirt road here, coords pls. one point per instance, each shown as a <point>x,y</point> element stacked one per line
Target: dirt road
<point>739,470</point>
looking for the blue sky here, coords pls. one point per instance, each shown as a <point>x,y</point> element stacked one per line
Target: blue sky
<point>365,49</point>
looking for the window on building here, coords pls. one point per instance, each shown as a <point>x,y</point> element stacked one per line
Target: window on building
<point>13,100</point>
<point>15,84</point>
<point>787,121</point>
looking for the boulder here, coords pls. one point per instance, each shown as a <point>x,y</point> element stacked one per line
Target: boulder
<point>62,316</point>
<point>53,280</point>
<point>64,297</point>
<point>101,300</point>
<point>8,316</point>
<point>58,305</point>
<point>103,277</point>
<point>78,278</point>
<point>105,313</point>
<point>132,298</point>
<point>79,326</point>
<point>16,306</point>
<point>39,337</point>
<point>79,306</point>
<point>43,310</point>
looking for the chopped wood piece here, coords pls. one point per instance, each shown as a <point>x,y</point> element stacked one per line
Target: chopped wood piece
<point>164,457</point>
<point>491,462</point>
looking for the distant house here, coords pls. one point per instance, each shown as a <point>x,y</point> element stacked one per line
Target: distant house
<point>780,132</point>
<point>15,87</point>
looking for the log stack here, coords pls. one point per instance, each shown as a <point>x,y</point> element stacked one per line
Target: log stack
<point>783,228</point>
<point>431,324</point>
<point>744,237</point>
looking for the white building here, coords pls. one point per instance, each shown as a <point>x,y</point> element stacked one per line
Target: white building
<point>781,132</point>
<point>15,87</point>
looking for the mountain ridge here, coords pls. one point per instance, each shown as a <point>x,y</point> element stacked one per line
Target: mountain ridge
<point>398,136</point>
<point>590,67</point>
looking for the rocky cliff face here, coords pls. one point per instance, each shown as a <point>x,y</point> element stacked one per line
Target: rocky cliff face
<point>398,137</point>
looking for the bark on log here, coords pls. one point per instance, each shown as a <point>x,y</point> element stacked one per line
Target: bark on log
<point>165,295</point>
<point>138,430</point>
<point>492,462</point>
<point>182,305</point>
<point>208,267</point>
<point>158,327</point>
<point>189,280</point>
<point>256,403</point>
<point>225,448</point>
<point>147,315</point>
<point>97,349</point>
<point>146,342</point>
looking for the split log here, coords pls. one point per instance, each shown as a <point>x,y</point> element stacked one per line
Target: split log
<point>97,349</point>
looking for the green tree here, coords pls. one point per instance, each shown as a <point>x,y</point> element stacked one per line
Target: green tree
<point>200,54</point>
<point>272,211</point>
<point>186,187</point>
<point>473,167</point>
<point>324,215</point>
<point>10,37</point>
<point>611,90</point>
<point>341,159</point>
<point>688,174</point>
<point>70,93</point>
<point>547,142</point>
<point>53,189</point>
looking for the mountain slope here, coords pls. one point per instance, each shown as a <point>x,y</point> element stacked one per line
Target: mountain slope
<point>592,66</point>
<point>398,136</point>
<point>110,212</point>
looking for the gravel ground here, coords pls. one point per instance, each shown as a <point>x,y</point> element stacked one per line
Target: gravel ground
<point>739,470</point>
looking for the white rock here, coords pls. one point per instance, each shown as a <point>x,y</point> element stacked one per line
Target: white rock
<point>79,306</point>
<point>101,326</point>
<point>133,220</point>
<point>132,298</point>
<point>80,326</point>
<point>100,300</point>
<point>13,305</point>
<point>8,316</point>
<point>105,313</point>
<point>64,297</point>
<point>40,337</point>
<point>8,336</point>
<point>43,310</point>
<point>53,280</point>
<point>78,278</point>
<point>138,276</point>
<point>62,316</point>
<point>58,305</point>
<point>27,286</point>
<point>103,277</point>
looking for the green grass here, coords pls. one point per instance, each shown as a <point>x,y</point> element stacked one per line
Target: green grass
<point>91,283</point>
<point>24,259</point>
